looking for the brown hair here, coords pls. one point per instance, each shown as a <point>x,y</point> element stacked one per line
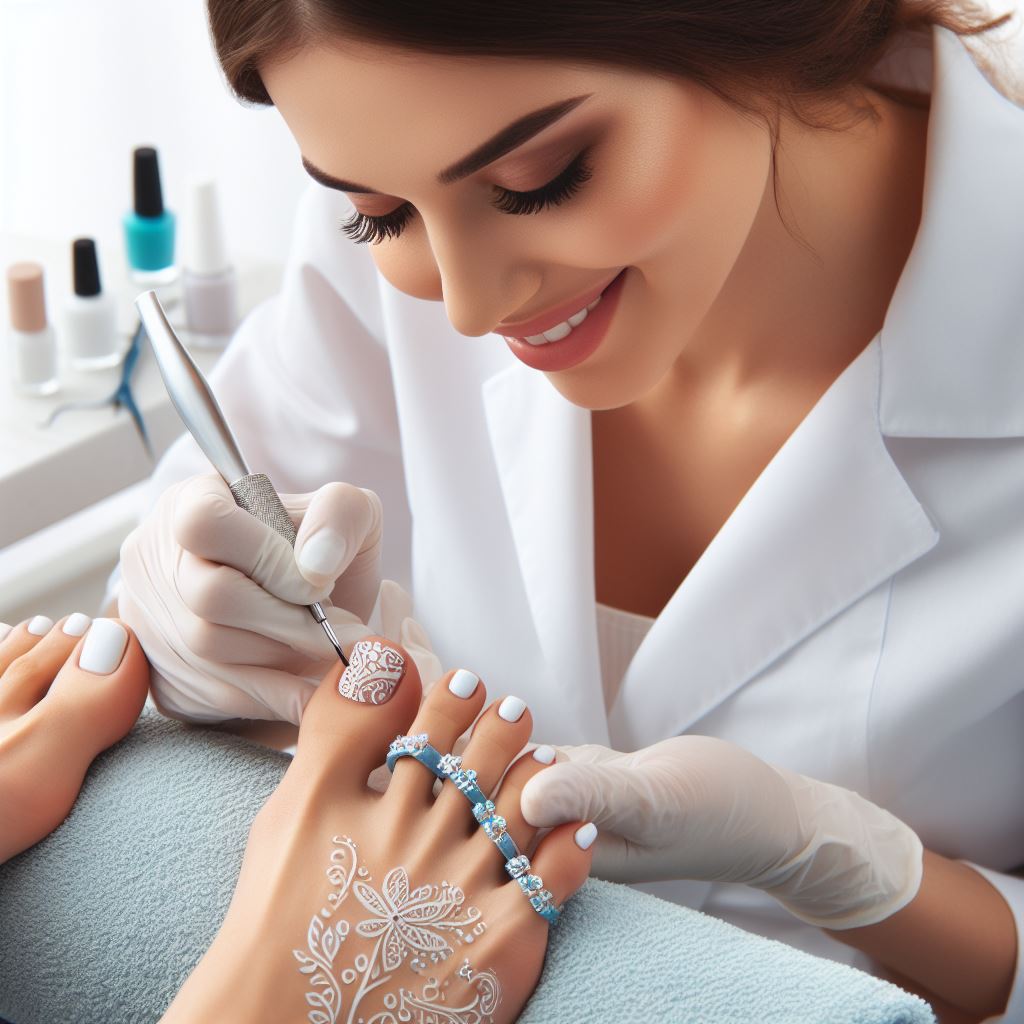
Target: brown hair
<point>762,58</point>
<point>790,50</point>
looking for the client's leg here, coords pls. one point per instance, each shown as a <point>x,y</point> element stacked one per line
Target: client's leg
<point>355,906</point>
<point>57,715</point>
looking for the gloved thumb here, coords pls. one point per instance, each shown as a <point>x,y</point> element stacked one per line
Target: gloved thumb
<point>339,522</point>
<point>598,791</point>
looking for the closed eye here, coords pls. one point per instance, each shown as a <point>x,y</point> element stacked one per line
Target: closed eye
<point>362,228</point>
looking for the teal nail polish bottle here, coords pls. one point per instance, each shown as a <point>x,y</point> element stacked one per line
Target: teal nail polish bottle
<point>149,228</point>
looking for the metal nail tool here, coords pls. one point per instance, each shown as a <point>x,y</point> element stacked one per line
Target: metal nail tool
<point>202,416</point>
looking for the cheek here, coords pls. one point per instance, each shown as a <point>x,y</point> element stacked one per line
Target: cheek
<point>695,182</point>
<point>408,264</point>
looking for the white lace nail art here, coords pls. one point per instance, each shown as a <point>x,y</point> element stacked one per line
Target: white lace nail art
<point>373,672</point>
<point>418,925</point>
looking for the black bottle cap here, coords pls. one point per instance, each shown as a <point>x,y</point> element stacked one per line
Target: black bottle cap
<point>85,267</point>
<point>149,200</point>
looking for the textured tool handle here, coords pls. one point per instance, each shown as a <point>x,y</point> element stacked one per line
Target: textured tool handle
<point>255,493</point>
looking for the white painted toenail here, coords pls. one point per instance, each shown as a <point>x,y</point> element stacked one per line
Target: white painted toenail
<point>585,835</point>
<point>4,630</point>
<point>77,624</point>
<point>544,754</point>
<point>511,709</point>
<point>103,647</point>
<point>40,625</point>
<point>463,684</point>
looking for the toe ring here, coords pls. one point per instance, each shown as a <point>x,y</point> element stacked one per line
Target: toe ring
<point>449,767</point>
<point>532,887</point>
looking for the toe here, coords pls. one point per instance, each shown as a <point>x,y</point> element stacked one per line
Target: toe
<point>20,639</point>
<point>499,735</point>
<point>448,711</point>
<point>93,702</point>
<point>507,800</point>
<point>357,711</point>
<point>32,656</point>
<point>103,684</point>
<point>561,863</point>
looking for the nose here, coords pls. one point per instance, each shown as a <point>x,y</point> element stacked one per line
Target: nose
<point>480,284</point>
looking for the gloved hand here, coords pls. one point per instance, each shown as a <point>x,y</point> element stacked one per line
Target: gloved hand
<point>218,600</point>
<point>700,807</point>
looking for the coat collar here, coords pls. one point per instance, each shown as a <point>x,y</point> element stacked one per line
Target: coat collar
<point>815,532</point>
<point>953,336</point>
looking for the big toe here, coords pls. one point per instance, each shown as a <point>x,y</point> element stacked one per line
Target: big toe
<point>93,701</point>
<point>357,711</point>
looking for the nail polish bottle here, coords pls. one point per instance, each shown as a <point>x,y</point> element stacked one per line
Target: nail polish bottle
<point>90,321</point>
<point>208,279</point>
<point>32,339</point>
<point>149,228</point>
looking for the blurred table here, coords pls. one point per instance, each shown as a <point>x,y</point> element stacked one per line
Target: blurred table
<point>89,454</point>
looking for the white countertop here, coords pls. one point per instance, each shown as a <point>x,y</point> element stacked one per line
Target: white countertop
<point>89,454</point>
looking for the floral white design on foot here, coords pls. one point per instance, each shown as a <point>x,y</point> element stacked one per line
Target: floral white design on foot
<point>405,924</point>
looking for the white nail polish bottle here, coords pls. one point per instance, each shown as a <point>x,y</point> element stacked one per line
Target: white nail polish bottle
<point>90,320</point>
<point>32,339</point>
<point>209,280</point>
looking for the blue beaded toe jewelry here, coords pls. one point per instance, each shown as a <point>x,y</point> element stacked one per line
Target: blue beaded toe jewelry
<point>533,888</point>
<point>449,766</point>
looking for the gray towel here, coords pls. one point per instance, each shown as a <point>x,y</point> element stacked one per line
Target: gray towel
<point>102,921</point>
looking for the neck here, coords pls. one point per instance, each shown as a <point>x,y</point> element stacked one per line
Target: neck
<point>798,307</point>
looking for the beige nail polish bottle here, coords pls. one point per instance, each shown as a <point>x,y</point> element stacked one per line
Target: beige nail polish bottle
<point>33,343</point>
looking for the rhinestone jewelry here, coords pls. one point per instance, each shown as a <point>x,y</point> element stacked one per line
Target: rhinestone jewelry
<point>449,766</point>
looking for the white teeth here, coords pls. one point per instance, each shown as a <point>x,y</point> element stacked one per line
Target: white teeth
<point>560,331</point>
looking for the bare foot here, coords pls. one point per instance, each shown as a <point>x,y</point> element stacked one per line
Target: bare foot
<point>56,716</point>
<point>367,908</point>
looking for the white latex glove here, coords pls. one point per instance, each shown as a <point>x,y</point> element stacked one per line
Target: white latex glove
<point>392,618</point>
<point>700,807</point>
<point>218,600</point>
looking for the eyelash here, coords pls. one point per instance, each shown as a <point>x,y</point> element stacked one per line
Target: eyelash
<point>362,228</point>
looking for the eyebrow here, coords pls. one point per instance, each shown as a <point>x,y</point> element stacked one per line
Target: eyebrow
<point>510,137</point>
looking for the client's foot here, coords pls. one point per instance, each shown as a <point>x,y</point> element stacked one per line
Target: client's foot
<point>64,697</point>
<point>354,906</point>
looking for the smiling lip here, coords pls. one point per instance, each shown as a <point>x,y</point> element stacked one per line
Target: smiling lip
<point>553,317</point>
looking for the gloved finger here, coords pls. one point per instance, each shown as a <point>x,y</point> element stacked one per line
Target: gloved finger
<point>415,640</point>
<point>342,524</point>
<point>603,793</point>
<point>588,753</point>
<point>216,598</point>
<point>393,616</point>
<point>207,522</point>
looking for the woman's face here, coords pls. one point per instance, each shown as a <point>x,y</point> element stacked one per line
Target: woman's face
<point>673,181</point>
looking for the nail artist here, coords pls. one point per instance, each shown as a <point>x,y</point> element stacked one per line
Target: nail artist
<point>678,348</point>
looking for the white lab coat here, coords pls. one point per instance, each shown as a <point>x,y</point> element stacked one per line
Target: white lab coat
<point>860,616</point>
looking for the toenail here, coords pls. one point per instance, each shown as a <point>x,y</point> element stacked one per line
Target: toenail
<point>103,648</point>
<point>463,684</point>
<point>4,630</point>
<point>373,672</point>
<point>77,624</point>
<point>40,625</point>
<point>544,754</point>
<point>511,709</point>
<point>585,835</point>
